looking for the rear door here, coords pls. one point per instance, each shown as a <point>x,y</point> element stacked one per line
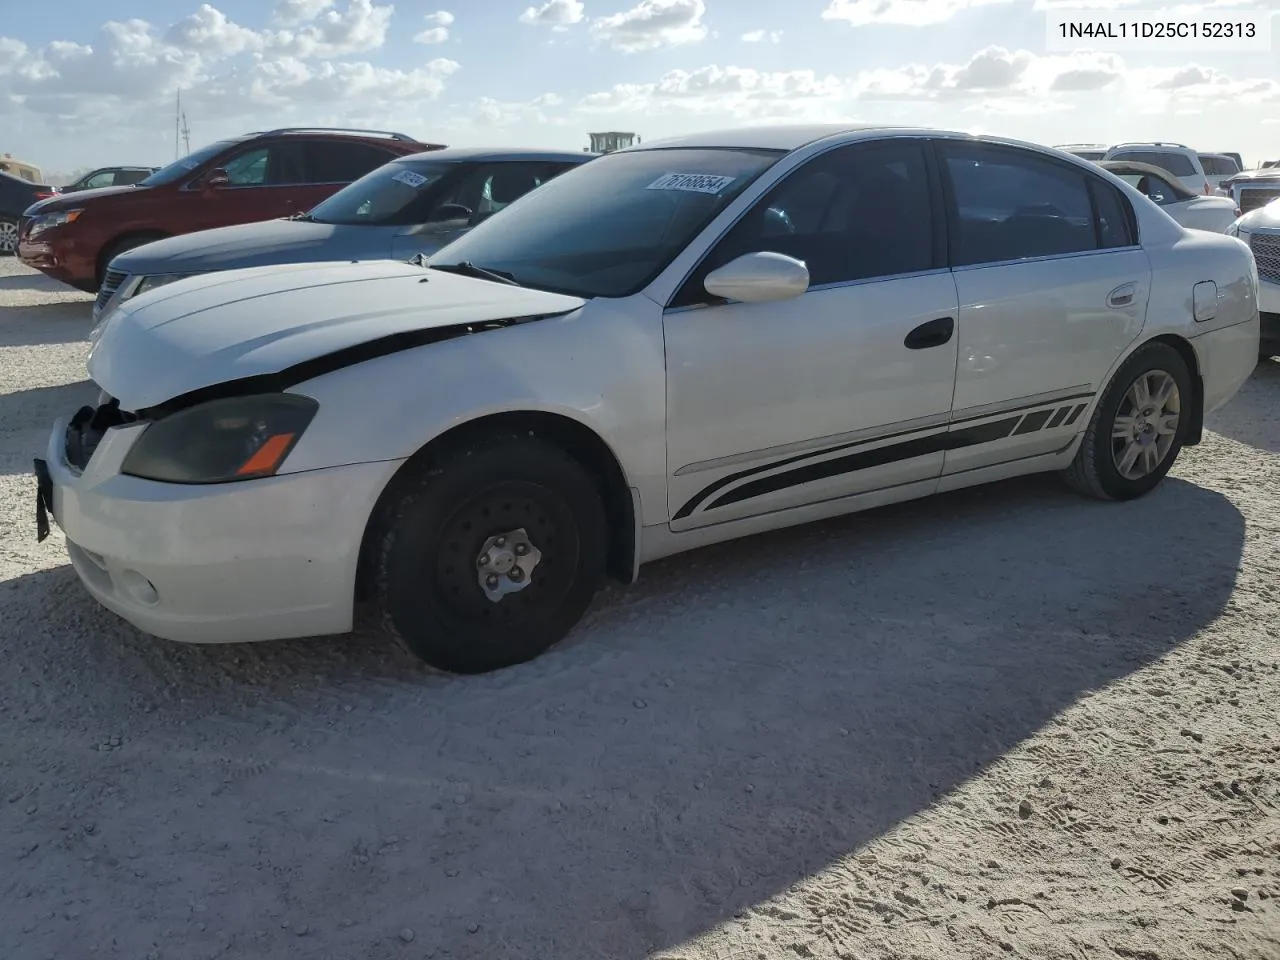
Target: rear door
<point>1052,288</point>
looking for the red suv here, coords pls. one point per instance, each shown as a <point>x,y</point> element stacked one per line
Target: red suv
<point>260,176</point>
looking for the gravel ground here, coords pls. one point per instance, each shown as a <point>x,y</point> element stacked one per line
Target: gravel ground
<point>1005,722</point>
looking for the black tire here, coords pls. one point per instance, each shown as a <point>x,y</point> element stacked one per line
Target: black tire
<point>8,237</point>
<point>122,246</point>
<point>1094,471</point>
<point>429,540</point>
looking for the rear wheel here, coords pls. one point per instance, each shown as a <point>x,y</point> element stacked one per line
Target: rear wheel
<point>8,236</point>
<point>490,557</point>
<point>1137,428</point>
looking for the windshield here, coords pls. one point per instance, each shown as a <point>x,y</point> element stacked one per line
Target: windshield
<point>608,227</point>
<point>394,194</point>
<point>180,168</point>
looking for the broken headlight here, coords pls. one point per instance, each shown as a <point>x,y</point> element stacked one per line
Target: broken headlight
<point>239,438</point>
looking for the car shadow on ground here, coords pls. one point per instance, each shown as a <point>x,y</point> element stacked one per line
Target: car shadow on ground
<point>26,417</point>
<point>45,323</point>
<point>743,717</point>
<point>1251,416</point>
<point>35,282</point>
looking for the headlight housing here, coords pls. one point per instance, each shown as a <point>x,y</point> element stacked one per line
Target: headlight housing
<point>238,438</point>
<point>159,280</point>
<point>47,221</point>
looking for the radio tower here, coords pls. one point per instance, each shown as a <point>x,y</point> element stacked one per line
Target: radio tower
<point>186,134</point>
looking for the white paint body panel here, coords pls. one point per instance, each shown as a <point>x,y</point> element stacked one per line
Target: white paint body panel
<point>684,399</point>
<point>1214,214</point>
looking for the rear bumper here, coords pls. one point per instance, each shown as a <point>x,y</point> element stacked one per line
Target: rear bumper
<point>1227,356</point>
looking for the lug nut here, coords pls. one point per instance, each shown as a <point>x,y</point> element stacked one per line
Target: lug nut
<point>521,549</point>
<point>484,559</point>
<point>492,581</point>
<point>516,574</point>
<point>501,541</point>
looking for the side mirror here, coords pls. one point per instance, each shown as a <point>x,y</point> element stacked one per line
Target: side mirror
<point>758,278</point>
<point>216,179</point>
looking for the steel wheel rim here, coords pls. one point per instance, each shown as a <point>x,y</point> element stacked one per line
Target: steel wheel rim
<point>516,513</point>
<point>8,236</point>
<point>1146,425</point>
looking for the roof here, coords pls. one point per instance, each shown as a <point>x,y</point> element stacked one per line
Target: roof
<point>499,155</point>
<point>775,137</point>
<point>1147,170</point>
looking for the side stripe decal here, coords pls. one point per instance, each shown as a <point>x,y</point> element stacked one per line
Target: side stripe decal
<point>940,441</point>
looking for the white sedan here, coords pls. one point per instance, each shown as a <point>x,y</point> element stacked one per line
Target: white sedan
<point>1194,210</point>
<point>1260,229</point>
<point>679,343</point>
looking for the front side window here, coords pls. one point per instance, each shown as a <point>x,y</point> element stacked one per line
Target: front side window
<point>1008,204</point>
<point>609,227</point>
<point>181,168</point>
<point>249,169</point>
<point>104,179</point>
<point>854,213</point>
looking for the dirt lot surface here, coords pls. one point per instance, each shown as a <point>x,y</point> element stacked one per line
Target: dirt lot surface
<point>1006,722</point>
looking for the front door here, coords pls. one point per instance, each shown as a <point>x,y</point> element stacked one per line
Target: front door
<point>1052,288</point>
<point>843,390</point>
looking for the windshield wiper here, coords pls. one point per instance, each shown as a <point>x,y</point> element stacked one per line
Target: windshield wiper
<point>468,269</point>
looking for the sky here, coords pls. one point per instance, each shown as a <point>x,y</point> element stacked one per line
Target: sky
<point>96,84</point>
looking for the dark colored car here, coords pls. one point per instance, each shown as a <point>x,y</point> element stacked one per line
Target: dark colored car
<point>16,195</point>
<point>110,177</point>
<point>258,176</point>
<point>410,206</point>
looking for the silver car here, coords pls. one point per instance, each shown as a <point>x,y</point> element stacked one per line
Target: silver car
<point>412,205</point>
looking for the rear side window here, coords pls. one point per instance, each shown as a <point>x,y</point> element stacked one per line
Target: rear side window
<point>337,161</point>
<point>1178,164</point>
<point>1012,205</point>
<point>1116,227</point>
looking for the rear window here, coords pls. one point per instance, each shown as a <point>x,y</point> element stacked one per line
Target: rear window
<point>1219,166</point>
<point>1176,163</point>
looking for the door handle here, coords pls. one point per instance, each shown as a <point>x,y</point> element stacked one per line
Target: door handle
<point>1122,295</point>
<point>932,334</point>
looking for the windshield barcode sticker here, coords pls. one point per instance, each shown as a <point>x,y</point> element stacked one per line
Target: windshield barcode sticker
<point>411,178</point>
<point>691,182</point>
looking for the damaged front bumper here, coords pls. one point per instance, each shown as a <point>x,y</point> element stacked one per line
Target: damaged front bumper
<point>254,560</point>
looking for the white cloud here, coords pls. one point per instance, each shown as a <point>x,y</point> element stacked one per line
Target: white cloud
<point>289,81</point>
<point>556,14</point>
<point>360,28</point>
<point>740,91</point>
<point>438,33</point>
<point>759,36</point>
<point>652,24</point>
<point>914,13</point>
<point>208,31</point>
<point>290,13</point>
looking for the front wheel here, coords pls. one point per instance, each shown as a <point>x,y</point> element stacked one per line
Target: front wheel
<point>8,236</point>
<point>491,556</point>
<point>1137,428</point>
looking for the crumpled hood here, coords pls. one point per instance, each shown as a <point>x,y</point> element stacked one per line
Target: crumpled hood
<point>254,245</point>
<point>206,330</point>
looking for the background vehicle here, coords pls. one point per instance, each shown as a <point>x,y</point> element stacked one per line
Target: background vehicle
<point>16,195</point>
<point>1085,151</point>
<point>1193,210</point>
<point>1217,168</point>
<point>254,177</point>
<point>1253,189</point>
<point>649,353</point>
<point>23,171</point>
<point>1178,159</point>
<point>1260,229</point>
<point>110,177</point>
<point>1234,156</point>
<point>413,205</point>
